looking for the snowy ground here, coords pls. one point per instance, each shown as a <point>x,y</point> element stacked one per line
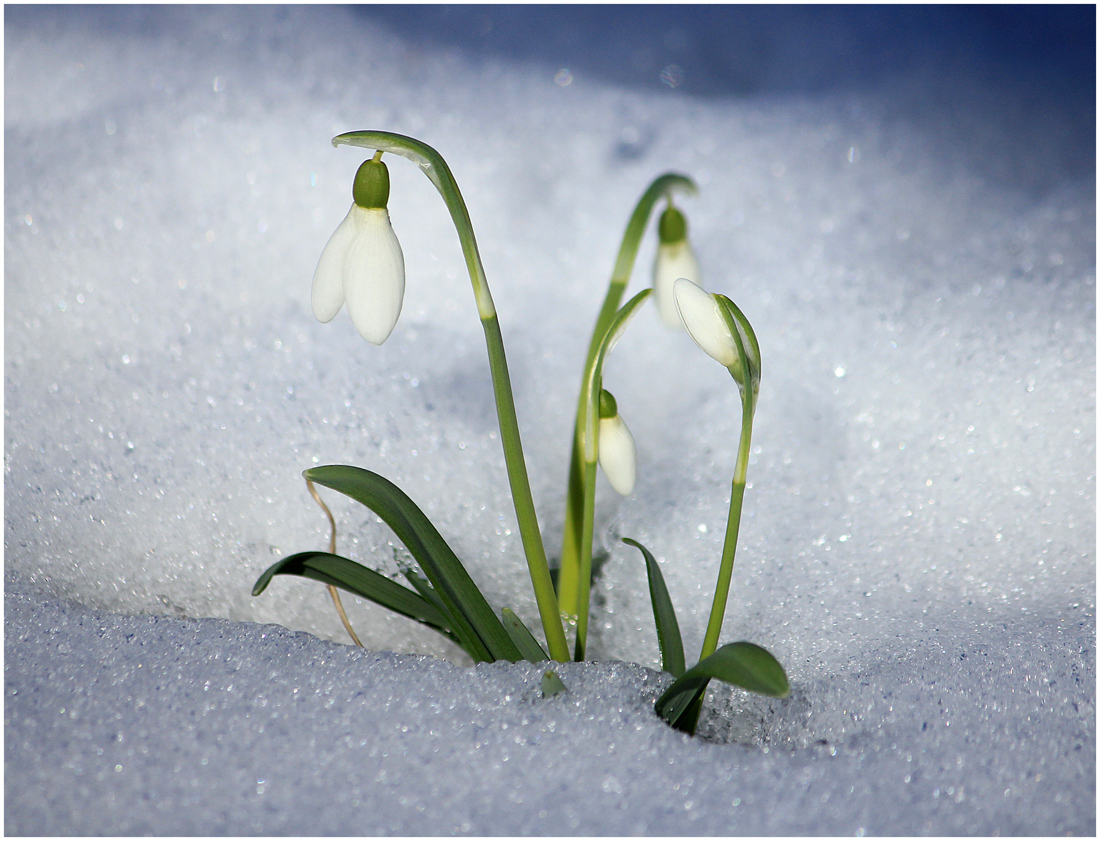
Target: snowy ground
<point>905,210</point>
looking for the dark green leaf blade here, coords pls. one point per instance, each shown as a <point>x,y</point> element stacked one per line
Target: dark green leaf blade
<point>739,663</point>
<point>664,615</point>
<point>688,718</point>
<point>440,564</point>
<point>467,637</point>
<point>682,711</point>
<point>424,588</point>
<point>360,581</point>
<point>523,638</point>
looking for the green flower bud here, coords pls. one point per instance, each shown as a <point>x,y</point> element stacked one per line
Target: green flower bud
<point>673,226</point>
<point>372,185</point>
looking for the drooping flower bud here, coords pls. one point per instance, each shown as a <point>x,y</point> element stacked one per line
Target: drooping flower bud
<point>675,259</point>
<point>702,315</point>
<point>617,454</point>
<point>362,263</point>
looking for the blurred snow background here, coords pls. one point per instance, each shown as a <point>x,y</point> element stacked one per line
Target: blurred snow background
<point>901,200</point>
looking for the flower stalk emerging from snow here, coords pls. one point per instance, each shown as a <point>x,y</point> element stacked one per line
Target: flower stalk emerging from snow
<point>591,402</point>
<point>437,171</point>
<point>716,324</point>
<point>569,578</point>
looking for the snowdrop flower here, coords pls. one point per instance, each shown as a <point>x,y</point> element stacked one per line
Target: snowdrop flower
<point>675,259</point>
<point>362,263</point>
<point>617,454</point>
<point>702,315</point>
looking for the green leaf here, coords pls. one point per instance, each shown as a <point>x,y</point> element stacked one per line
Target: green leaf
<point>551,684</point>
<point>466,604</point>
<point>739,663</point>
<point>469,641</point>
<point>683,714</point>
<point>361,581</point>
<point>424,588</point>
<point>523,638</point>
<point>468,638</point>
<point>664,616</point>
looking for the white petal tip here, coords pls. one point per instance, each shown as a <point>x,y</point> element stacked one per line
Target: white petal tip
<point>328,278</point>
<point>325,304</point>
<point>617,455</point>
<point>374,278</point>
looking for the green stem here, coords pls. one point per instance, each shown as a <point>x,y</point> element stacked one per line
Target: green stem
<point>437,171</point>
<point>521,494</point>
<point>588,519</point>
<point>733,524</point>
<point>748,367</point>
<point>570,575</point>
<point>589,448</point>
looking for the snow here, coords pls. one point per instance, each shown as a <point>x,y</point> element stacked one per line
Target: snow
<point>906,215</point>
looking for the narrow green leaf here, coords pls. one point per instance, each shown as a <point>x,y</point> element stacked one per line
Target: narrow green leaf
<point>551,684</point>
<point>360,581</point>
<point>664,615</point>
<point>688,719</point>
<point>523,638</point>
<point>469,640</point>
<point>682,712</point>
<point>424,588</point>
<point>738,663</point>
<point>440,564</point>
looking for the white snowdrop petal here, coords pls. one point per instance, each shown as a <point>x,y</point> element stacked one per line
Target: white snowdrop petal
<point>617,454</point>
<point>374,276</point>
<point>328,277</point>
<point>673,261</point>
<point>703,320</point>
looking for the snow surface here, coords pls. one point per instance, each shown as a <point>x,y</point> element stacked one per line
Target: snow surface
<point>908,219</point>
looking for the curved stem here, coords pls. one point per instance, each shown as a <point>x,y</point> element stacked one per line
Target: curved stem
<point>437,171</point>
<point>570,573</point>
<point>589,448</point>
